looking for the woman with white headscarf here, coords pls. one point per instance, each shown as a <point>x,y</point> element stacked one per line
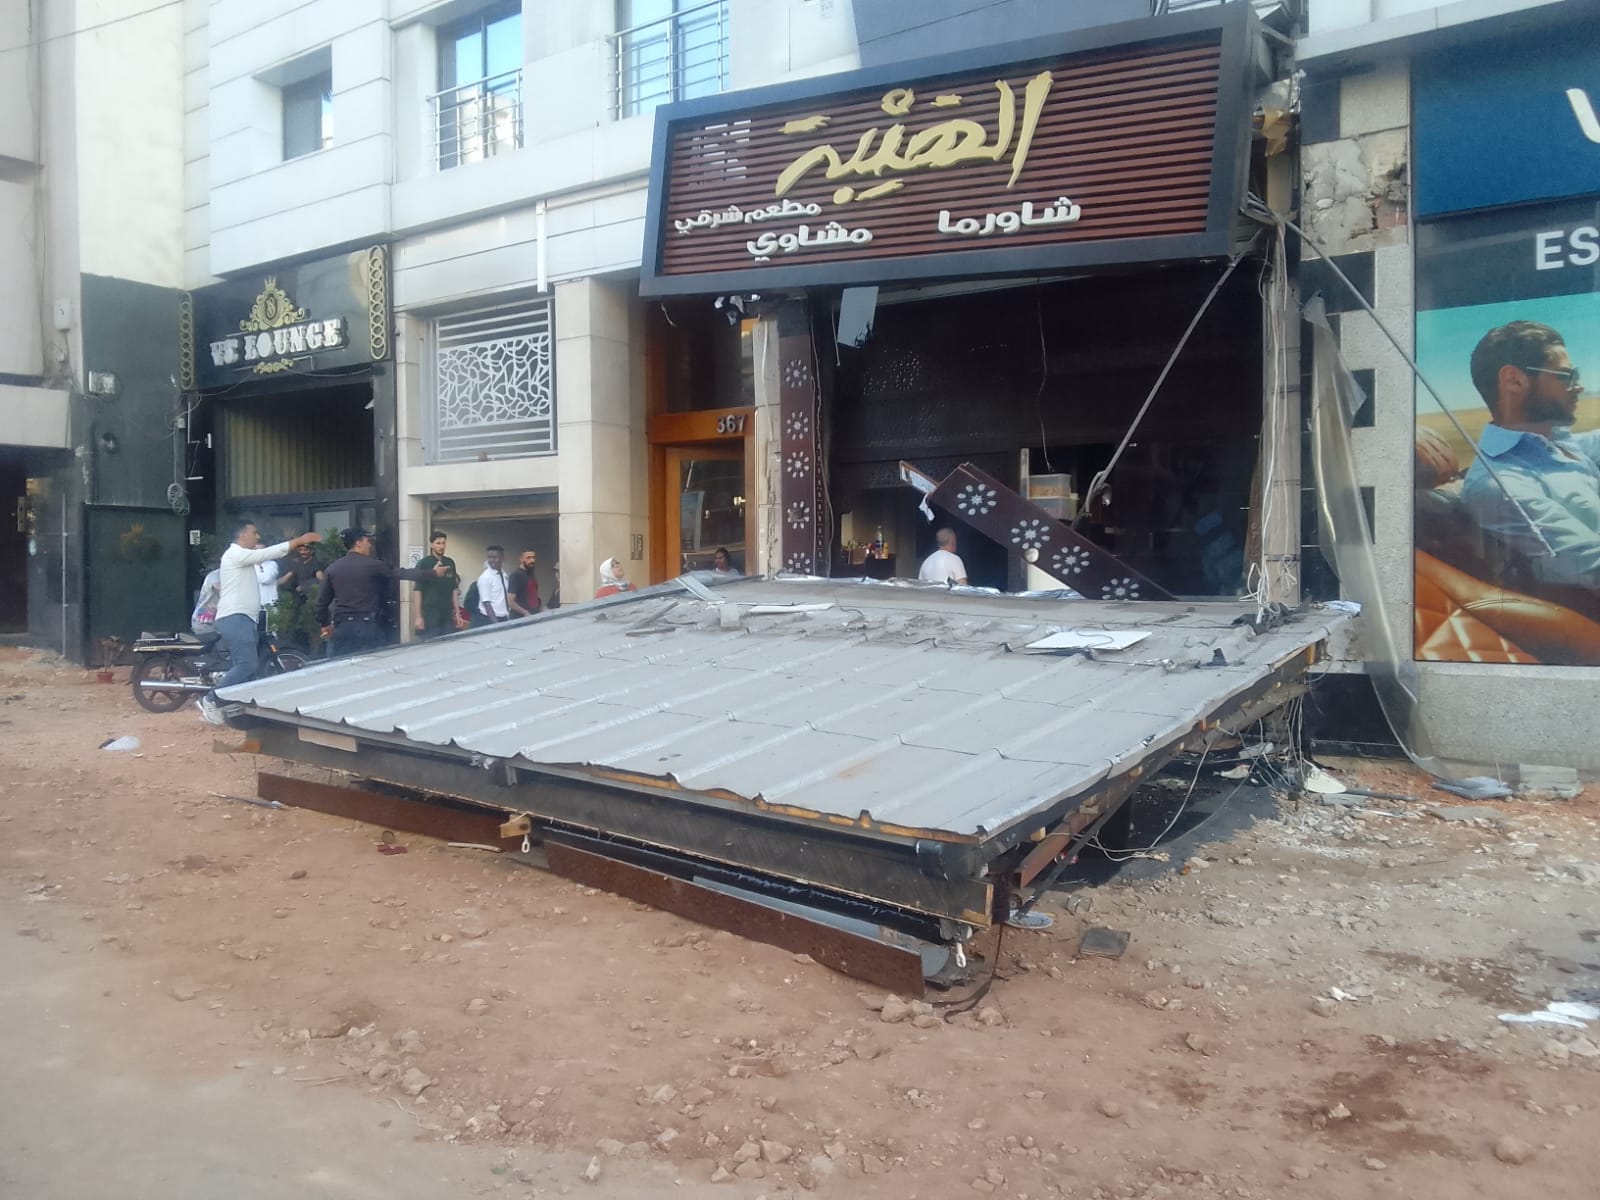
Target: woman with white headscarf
<point>612,579</point>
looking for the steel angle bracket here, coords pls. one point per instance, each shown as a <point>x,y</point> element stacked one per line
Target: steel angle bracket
<point>1042,539</point>
<point>860,957</point>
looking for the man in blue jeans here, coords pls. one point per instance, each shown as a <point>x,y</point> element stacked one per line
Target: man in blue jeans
<point>239,606</point>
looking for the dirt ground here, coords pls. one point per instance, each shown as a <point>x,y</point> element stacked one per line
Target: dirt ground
<point>199,997</point>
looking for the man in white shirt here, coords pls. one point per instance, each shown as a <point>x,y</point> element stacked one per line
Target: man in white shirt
<point>944,565</point>
<point>492,607</point>
<point>240,604</point>
<point>267,580</point>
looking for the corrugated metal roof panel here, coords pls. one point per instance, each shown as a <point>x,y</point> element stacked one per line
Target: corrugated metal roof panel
<point>917,709</point>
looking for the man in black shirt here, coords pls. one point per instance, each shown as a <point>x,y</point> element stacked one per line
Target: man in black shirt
<point>353,591</point>
<point>522,587</point>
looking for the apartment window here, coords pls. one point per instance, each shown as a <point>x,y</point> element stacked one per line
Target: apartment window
<point>308,115</point>
<point>477,111</point>
<point>493,390</point>
<point>668,50</point>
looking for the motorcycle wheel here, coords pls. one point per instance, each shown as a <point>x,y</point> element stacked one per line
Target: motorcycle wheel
<point>163,667</point>
<point>290,660</point>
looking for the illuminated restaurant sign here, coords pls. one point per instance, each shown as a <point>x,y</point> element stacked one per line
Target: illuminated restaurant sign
<point>1120,144</point>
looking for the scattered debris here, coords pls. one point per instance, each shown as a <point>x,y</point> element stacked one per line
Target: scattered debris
<point>1100,942</point>
<point>1474,787</point>
<point>1315,779</point>
<point>1557,1012</point>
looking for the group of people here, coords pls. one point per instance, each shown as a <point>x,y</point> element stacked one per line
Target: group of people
<point>350,593</point>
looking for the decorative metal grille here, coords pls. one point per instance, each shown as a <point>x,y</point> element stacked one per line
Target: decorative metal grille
<point>493,384</point>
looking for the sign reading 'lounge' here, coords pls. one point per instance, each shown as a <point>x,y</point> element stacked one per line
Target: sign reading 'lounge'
<point>313,318</point>
<point>1125,151</point>
<point>276,335</point>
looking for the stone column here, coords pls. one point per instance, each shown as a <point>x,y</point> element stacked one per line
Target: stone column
<point>600,434</point>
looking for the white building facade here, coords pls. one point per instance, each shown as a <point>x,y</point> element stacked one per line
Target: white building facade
<point>500,152</point>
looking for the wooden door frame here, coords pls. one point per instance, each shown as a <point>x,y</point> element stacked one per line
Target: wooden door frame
<point>712,428</point>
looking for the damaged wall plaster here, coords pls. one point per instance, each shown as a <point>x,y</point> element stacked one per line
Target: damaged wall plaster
<point>1357,191</point>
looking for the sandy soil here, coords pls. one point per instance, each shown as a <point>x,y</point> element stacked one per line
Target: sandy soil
<point>1307,1011</point>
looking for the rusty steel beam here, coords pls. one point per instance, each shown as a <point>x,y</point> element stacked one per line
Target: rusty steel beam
<point>864,958</point>
<point>430,819</point>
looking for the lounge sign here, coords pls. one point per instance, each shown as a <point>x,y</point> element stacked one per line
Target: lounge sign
<point>277,335</point>
<point>317,316</point>
<point>1126,151</point>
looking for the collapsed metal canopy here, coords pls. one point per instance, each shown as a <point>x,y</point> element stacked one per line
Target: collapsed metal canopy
<point>889,742</point>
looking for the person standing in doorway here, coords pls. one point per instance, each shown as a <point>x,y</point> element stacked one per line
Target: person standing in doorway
<point>239,606</point>
<point>944,565</point>
<point>492,606</point>
<point>522,596</point>
<point>353,591</point>
<point>435,599</point>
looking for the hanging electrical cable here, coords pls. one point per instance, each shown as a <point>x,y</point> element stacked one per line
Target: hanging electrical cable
<point>1257,209</point>
<point>1102,477</point>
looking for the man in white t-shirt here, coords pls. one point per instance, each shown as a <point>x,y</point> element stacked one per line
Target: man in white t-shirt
<point>267,580</point>
<point>944,565</point>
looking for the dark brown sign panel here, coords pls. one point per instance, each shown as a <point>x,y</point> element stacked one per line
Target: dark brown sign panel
<point>1122,152</point>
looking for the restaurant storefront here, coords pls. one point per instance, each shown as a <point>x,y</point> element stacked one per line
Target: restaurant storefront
<point>989,259</point>
<point>292,394</point>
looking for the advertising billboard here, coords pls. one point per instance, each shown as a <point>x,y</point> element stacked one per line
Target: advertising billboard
<point>1506,491</point>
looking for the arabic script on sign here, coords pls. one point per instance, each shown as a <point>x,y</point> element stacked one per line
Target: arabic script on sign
<point>1062,212</point>
<point>734,215</point>
<point>895,150</point>
<point>763,247</point>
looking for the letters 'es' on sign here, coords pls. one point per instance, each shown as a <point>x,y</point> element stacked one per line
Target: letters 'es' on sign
<point>1119,153</point>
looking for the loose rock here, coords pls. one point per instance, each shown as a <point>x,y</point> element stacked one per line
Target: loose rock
<point>1513,1151</point>
<point>414,1082</point>
<point>591,1173</point>
<point>477,1006</point>
<point>894,1010</point>
<point>1108,1107</point>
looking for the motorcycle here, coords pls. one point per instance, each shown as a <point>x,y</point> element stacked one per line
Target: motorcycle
<point>171,668</point>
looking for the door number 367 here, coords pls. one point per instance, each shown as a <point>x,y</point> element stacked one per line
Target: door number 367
<point>731,423</point>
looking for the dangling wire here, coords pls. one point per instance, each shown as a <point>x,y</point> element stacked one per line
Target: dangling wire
<point>1098,483</point>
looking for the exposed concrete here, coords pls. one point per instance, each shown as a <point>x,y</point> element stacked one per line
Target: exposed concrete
<point>1356,192</point>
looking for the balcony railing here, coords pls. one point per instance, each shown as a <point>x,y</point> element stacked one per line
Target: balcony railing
<point>477,120</point>
<point>674,58</point>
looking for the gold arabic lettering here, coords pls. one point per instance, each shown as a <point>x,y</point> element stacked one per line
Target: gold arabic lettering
<point>948,143</point>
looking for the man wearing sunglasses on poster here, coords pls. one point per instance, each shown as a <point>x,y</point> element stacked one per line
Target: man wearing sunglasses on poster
<point>1526,377</point>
